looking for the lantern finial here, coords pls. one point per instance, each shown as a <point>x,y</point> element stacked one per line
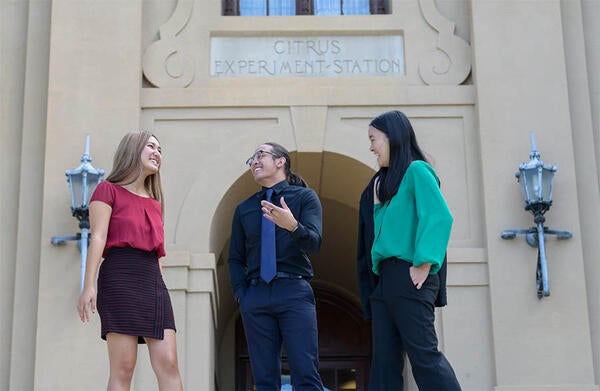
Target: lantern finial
<point>535,154</point>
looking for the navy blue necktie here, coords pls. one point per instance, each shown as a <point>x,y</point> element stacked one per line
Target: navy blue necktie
<point>268,259</point>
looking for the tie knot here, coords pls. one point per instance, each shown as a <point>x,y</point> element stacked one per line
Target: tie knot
<point>269,194</point>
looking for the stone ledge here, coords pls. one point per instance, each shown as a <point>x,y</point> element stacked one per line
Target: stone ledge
<point>553,387</point>
<point>193,273</point>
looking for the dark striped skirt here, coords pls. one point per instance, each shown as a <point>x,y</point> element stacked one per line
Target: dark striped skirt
<point>132,296</point>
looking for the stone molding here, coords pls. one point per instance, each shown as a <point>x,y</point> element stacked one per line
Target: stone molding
<point>193,273</point>
<point>450,63</point>
<point>166,62</point>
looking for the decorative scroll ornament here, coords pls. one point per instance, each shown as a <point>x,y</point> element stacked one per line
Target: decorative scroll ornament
<point>165,63</point>
<point>451,62</point>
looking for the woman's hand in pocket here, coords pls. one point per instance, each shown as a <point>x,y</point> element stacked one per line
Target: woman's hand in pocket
<point>419,274</point>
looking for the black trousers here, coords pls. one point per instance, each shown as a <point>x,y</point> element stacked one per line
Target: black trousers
<point>282,312</point>
<point>403,322</point>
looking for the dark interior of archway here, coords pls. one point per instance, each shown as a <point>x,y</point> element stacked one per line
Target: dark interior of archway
<point>344,343</point>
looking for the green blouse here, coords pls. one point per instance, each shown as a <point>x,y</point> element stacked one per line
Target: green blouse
<point>415,224</point>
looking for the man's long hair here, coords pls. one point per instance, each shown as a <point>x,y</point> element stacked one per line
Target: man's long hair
<point>292,177</point>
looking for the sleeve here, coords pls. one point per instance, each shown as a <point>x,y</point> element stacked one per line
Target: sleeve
<point>310,224</point>
<point>367,280</point>
<point>237,256</point>
<point>105,192</point>
<point>434,220</point>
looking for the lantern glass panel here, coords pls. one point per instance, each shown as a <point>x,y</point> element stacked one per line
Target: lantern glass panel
<point>81,194</point>
<point>93,181</point>
<point>76,184</point>
<point>547,177</point>
<point>522,186</point>
<point>530,185</point>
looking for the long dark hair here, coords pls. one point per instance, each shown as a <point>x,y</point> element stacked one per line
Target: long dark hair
<point>292,177</point>
<point>404,149</point>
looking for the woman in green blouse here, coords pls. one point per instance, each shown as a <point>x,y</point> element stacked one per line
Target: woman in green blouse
<point>412,225</point>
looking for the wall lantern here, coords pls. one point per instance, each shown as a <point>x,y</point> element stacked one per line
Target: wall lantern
<point>535,179</point>
<point>82,183</point>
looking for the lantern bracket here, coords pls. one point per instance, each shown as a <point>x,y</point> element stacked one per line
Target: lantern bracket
<point>82,182</point>
<point>535,179</point>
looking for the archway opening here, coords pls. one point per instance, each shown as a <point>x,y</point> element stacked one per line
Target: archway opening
<point>339,181</point>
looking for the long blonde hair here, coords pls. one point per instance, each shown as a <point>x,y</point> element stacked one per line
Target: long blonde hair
<point>127,164</point>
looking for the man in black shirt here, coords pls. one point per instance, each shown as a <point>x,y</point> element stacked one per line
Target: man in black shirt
<point>277,305</point>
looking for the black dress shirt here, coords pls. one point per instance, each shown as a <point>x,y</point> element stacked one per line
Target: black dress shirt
<point>293,248</point>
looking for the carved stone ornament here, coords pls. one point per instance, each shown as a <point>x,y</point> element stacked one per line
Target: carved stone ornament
<point>451,62</point>
<point>165,62</point>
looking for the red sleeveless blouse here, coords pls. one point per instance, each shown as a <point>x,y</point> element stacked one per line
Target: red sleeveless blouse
<point>135,221</point>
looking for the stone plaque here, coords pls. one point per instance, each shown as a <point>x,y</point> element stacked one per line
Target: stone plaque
<point>308,56</point>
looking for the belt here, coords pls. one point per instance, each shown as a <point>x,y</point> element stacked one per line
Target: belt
<point>278,275</point>
<point>393,260</point>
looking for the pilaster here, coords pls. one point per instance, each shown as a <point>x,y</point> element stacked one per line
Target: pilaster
<point>94,81</point>
<point>538,344</point>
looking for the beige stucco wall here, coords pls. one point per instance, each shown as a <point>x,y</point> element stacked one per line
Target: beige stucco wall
<point>93,88</point>
<point>590,10</point>
<point>523,327</point>
<point>589,148</point>
<point>530,64</point>
<point>24,51</point>
<point>13,40</point>
<point>33,138</point>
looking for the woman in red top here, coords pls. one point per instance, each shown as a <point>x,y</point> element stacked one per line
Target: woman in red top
<point>127,231</point>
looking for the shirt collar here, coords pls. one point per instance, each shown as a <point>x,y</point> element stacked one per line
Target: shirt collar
<point>277,188</point>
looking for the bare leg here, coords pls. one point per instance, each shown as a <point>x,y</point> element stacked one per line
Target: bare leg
<point>163,357</point>
<point>122,355</point>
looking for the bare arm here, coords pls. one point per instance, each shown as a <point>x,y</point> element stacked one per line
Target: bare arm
<point>99,219</point>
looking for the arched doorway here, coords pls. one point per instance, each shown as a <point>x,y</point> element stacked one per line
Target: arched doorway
<point>335,282</point>
<point>344,345</point>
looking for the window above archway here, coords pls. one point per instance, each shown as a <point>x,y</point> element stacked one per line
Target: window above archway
<point>304,7</point>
